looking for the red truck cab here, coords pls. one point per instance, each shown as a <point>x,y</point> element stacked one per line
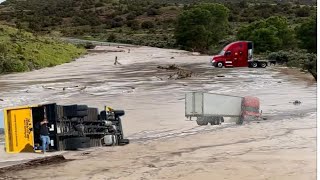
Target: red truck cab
<point>237,54</point>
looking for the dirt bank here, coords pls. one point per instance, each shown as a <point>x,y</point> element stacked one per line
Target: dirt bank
<point>165,145</point>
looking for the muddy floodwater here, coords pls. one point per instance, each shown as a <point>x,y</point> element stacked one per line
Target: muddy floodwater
<point>164,144</point>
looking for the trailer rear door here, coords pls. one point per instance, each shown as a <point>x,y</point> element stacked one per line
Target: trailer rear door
<point>18,130</point>
<point>193,104</point>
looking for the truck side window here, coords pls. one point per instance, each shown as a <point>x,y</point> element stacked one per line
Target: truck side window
<point>228,53</point>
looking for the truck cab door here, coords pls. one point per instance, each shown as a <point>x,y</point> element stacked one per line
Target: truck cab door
<point>241,59</point>
<point>18,130</point>
<point>229,60</point>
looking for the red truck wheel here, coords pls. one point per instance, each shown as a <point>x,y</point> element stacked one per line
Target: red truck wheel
<point>219,64</point>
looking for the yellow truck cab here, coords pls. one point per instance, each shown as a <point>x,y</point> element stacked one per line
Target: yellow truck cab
<point>70,127</point>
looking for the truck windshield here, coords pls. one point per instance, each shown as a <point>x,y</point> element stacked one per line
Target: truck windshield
<point>222,52</point>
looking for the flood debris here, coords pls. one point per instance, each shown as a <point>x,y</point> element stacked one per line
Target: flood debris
<point>221,76</point>
<point>44,87</point>
<point>51,160</point>
<point>296,102</point>
<point>1,100</point>
<point>179,73</point>
<point>151,166</point>
<point>85,153</point>
<point>170,67</point>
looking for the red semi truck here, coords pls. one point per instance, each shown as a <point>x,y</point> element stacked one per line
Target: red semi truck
<point>237,54</point>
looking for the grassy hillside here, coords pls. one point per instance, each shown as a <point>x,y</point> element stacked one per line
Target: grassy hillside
<point>22,51</point>
<point>143,22</point>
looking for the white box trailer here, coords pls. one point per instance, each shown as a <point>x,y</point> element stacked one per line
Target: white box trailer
<point>211,108</point>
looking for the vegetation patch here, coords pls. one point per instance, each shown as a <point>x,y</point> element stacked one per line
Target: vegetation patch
<point>22,51</point>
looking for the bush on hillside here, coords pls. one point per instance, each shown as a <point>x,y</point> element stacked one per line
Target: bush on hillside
<point>147,24</point>
<point>133,24</point>
<point>271,34</point>
<point>296,58</point>
<point>306,33</point>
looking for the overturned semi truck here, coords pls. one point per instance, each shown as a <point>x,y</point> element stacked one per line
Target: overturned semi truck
<point>70,127</point>
<point>212,108</point>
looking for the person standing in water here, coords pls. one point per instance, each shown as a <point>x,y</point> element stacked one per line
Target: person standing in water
<point>116,61</point>
<point>44,135</point>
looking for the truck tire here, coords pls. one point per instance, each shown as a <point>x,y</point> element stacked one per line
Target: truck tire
<point>124,141</point>
<point>82,113</point>
<point>254,64</point>
<point>220,65</point>
<point>263,64</point>
<point>218,121</point>
<point>82,107</point>
<point>221,119</point>
<point>202,122</point>
<point>75,143</point>
<point>239,121</point>
<point>119,112</point>
<point>213,120</point>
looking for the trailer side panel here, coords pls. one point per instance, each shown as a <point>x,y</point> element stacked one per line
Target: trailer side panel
<point>221,105</point>
<point>207,104</point>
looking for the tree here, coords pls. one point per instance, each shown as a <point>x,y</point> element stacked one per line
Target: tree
<point>307,34</point>
<point>202,26</point>
<point>147,25</point>
<point>303,11</point>
<point>153,12</point>
<point>133,24</point>
<point>271,34</point>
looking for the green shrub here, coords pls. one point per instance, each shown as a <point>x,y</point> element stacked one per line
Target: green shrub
<point>131,16</point>
<point>147,25</point>
<point>133,24</point>
<point>153,12</point>
<point>112,37</point>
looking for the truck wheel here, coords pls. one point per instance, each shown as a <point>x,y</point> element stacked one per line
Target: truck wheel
<point>221,119</point>
<point>202,122</point>
<point>254,64</point>
<point>124,141</point>
<point>213,121</point>
<point>263,65</point>
<point>81,107</point>
<point>218,121</point>
<point>239,121</point>
<point>219,64</point>
<point>82,113</point>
